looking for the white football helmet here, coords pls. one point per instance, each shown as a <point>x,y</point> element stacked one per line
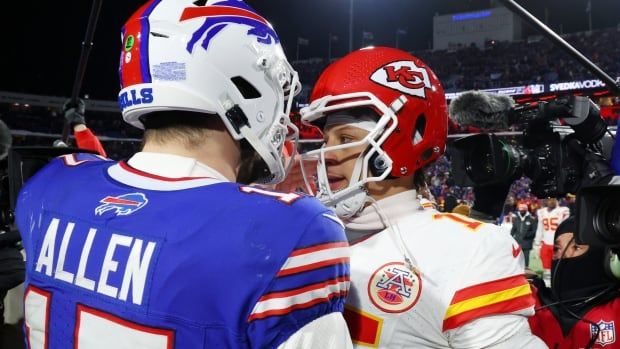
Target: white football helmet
<point>212,57</point>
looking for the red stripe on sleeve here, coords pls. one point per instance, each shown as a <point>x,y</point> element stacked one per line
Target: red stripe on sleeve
<point>505,307</point>
<point>488,287</point>
<point>297,306</point>
<point>303,289</point>
<point>322,264</point>
<point>319,248</point>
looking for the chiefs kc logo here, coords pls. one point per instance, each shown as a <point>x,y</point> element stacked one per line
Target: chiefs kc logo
<point>403,76</point>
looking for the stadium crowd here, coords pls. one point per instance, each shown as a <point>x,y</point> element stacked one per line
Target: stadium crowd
<point>499,64</point>
<point>503,64</point>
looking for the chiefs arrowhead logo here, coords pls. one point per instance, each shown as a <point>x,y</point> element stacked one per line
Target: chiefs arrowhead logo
<point>403,76</point>
<point>516,251</point>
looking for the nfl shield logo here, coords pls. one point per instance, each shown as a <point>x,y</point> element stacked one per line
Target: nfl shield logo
<point>607,332</point>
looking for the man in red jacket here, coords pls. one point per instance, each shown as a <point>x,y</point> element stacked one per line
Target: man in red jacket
<point>582,307</point>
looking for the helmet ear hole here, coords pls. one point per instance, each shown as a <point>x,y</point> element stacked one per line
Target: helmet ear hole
<point>426,154</point>
<point>420,127</point>
<point>378,164</point>
<point>247,90</point>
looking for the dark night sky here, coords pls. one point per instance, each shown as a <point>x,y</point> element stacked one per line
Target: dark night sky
<point>42,40</point>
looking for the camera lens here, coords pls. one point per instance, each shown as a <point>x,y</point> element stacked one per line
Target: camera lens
<point>612,220</point>
<point>481,167</point>
<point>607,221</point>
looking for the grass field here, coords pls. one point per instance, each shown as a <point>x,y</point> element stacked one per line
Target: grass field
<point>535,263</point>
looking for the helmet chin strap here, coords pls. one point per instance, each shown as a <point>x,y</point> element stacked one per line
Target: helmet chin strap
<point>350,203</point>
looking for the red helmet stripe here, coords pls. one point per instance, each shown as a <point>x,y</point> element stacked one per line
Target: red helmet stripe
<point>135,68</point>
<point>217,11</point>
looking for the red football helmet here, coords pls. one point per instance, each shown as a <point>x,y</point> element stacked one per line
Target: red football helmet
<point>413,121</point>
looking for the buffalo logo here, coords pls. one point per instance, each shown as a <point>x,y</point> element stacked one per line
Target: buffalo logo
<point>393,288</point>
<point>220,14</point>
<point>606,332</point>
<point>403,76</point>
<point>121,205</point>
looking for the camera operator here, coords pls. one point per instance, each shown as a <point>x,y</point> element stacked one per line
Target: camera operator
<point>11,259</point>
<point>582,306</point>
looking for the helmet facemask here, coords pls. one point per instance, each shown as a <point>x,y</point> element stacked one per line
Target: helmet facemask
<point>269,145</point>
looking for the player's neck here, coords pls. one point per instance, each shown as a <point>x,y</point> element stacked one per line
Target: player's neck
<point>210,153</point>
<point>389,187</point>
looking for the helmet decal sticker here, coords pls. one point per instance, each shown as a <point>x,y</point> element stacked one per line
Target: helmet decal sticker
<point>221,14</point>
<point>403,76</point>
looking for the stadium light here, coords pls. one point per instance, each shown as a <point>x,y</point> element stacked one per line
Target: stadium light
<point>399,32</point>
<point>350,25</point>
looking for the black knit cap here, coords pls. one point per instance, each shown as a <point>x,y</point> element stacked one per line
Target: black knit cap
<point>569,225</point>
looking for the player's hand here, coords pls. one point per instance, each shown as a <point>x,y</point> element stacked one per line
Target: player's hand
<point>294,181</point>
<point>74,112</point>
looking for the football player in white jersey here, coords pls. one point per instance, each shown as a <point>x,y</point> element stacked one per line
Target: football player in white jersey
<point>549,218</point>
<point>420,278</point>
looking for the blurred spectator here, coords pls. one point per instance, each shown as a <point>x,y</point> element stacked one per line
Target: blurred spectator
<point>524,230</point>
<point>11,260</point>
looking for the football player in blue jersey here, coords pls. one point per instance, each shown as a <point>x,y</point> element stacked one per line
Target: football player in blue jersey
<point>170,249</point>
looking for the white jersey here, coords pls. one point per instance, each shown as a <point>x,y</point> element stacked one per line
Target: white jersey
<point>466,289</point>
<point>548,222</point>
<point>426,203</point>
<point>506,222</point>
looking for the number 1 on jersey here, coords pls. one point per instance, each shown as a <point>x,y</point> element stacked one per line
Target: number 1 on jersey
<point>287,198</point>
<point>469,223</point>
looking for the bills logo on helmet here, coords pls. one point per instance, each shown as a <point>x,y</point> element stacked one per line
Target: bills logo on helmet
<point>218,15</point>
<point>135,97</point>
<point>121,205</point>
<point>606,334</point>
<point>403,76</point>
<point>393,288</point>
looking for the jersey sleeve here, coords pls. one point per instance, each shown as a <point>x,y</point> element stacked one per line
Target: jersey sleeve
<point>492,284</point>
<point>86,139</point>
<point>327,332</point>
<point>539,228</point>
<point>497,332</point>
<point>312,282</point>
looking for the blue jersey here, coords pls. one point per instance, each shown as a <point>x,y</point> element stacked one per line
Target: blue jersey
<point>118,258</point>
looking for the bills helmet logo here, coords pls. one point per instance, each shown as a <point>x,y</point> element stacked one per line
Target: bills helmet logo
<point>393,288</point>
<point>403,76</point>
<point>121,205</point>
<point>606,332</point>
<point>220,14</point>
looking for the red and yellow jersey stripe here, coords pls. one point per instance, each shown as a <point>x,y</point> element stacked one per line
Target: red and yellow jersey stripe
<point>365,328</point>
<point>503,296</point>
